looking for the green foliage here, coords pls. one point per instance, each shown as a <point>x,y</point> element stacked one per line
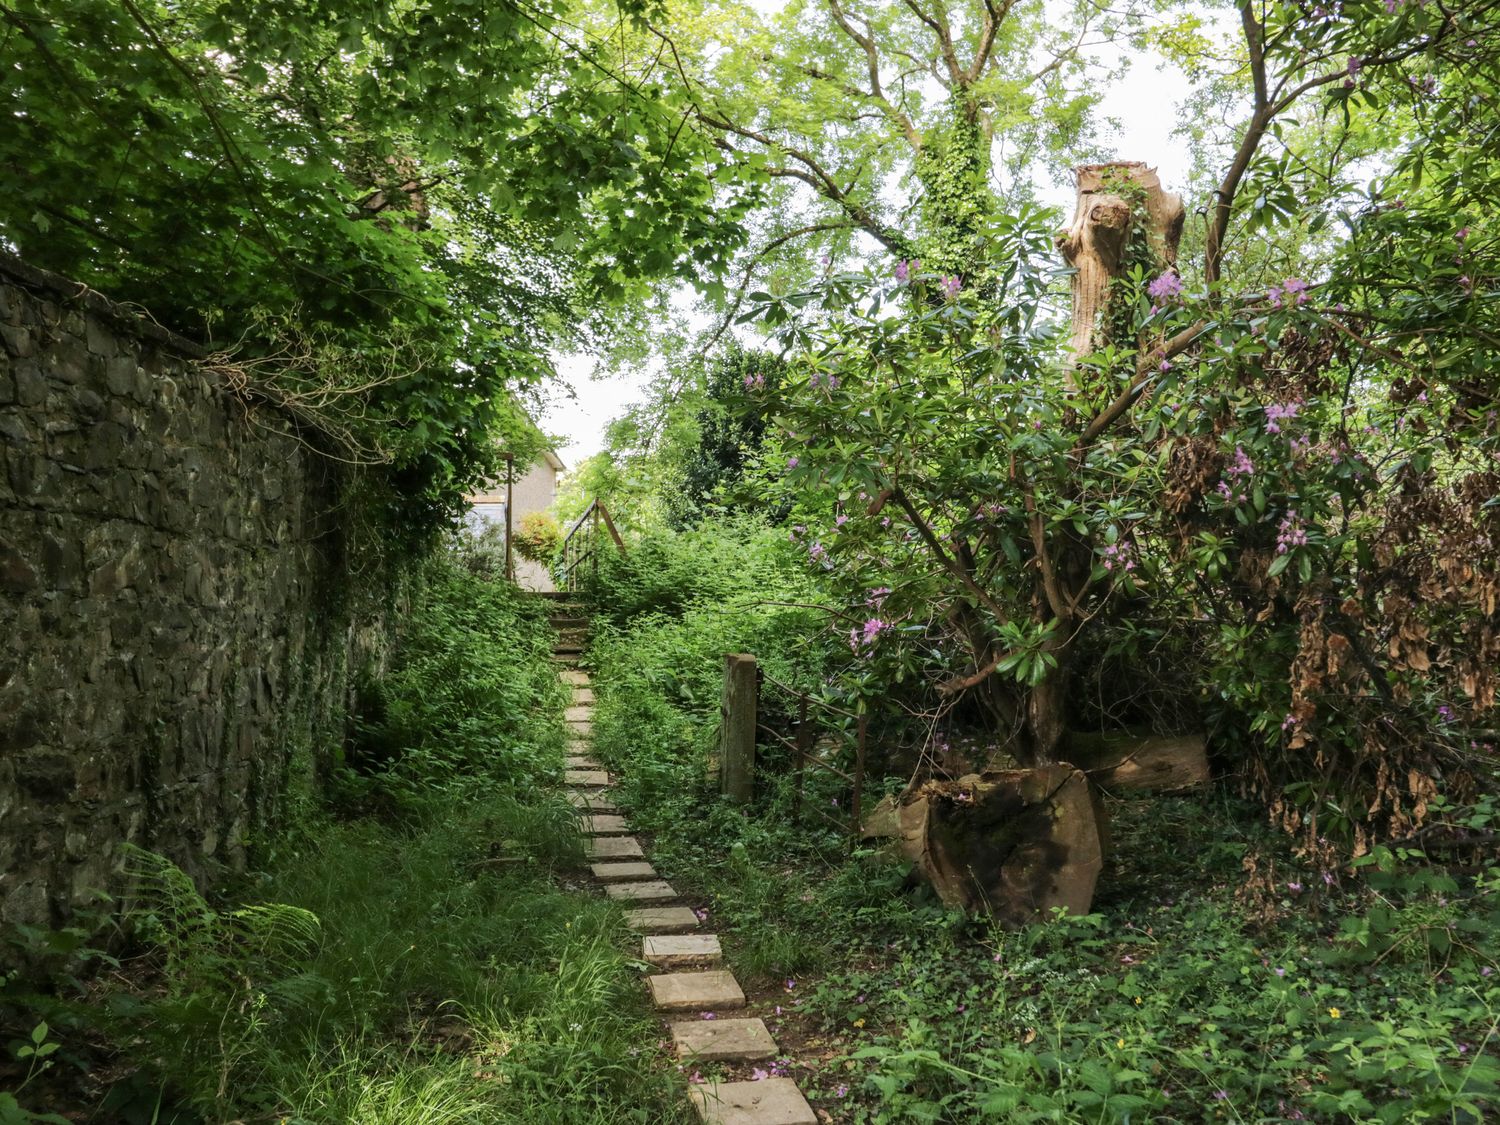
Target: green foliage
<point>387,211</point>
<point>732,564</point>
<point>418,967</point>
<point>447,983</point>
<point>1257,986</point>
<point>1179,1007</point>
<point>459,711</point>
<point>539,537</point>
<point>730,438</point>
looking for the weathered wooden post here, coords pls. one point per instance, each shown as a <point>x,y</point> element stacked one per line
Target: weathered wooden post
<point>737,728</point>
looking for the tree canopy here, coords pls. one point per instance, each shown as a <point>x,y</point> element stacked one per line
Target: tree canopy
<point>318,188</point>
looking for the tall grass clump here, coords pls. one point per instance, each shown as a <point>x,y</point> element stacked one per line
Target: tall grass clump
<point>404,953</point>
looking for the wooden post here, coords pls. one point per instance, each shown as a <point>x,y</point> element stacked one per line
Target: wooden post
<point>737,728</point>
<point>510,480</point>
<point>857,804</point>
<point>804,744</point>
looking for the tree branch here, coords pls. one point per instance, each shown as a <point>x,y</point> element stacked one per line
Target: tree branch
<point>939,26</point>
<point>866,43</point>
<point>949,563</point>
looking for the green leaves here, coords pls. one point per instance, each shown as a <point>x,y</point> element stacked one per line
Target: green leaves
<point>386,179</point>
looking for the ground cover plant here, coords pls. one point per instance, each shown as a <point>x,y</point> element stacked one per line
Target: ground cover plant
<point>406,952</point>
<point>1222,976</point>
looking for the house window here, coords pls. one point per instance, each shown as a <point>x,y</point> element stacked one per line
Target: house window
<point>482,516</point>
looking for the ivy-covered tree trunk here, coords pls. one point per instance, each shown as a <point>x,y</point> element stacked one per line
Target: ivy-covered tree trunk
<point>1123,214</point>
<point>953,166</point>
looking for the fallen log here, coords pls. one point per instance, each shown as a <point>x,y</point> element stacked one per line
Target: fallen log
<point>1158,763</point>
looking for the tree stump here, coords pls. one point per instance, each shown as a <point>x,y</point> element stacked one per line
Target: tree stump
<point>1012,843</point>
<point>1112,198</point>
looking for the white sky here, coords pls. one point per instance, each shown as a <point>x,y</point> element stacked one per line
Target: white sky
<point>1146,101</point>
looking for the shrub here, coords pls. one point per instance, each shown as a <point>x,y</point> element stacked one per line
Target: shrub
<point>538,537</point>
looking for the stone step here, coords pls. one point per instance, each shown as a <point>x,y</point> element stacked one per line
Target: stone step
<point>580,726</point>
<point>678,951</point>
<point>582,695</point>
<point>581,713</point>
<point>723,1040</point>
<point>575,676</point>
<point>771,1101</point>
<point>582,762</point>
<point>613,847</point>
<point>655,890</point>
<point>586,802</point>
<point>623,872</point>
<point>606,825</point>
<point>661,919</point>
<point>566,659</point>
<point>693,992</point>
<point>586,779</point>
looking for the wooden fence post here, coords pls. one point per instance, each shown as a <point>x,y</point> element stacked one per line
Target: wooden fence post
<point>737,729</point>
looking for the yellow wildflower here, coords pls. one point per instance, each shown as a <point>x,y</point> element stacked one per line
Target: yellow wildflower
<point>1120,1043</point>
<point>859,1022</point>
<point>1137,1001</point>
<point>1334,1013</point>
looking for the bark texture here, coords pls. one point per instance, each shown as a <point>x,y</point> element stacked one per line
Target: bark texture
<point>1011,843</point>
<point>1112,200</point>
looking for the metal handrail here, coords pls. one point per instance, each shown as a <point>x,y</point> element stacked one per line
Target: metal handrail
<point>581,543</point>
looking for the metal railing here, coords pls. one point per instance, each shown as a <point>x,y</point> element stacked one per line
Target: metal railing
<point>580,548</point>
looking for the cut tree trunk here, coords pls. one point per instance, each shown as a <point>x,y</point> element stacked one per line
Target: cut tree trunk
<point>1158,763</point>
<point>1095,245</point>
<point>1011,843</point>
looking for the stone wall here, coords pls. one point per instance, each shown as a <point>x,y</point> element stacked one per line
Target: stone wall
<point>172,601</point>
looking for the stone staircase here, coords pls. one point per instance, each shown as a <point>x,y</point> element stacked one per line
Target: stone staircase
<point>692,975</point>
<point>572,626</point>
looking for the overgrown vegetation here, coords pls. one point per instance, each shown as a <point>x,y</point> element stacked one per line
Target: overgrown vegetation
<point>406,953</point>
<point>1221,977</point>
<point>381,215</point>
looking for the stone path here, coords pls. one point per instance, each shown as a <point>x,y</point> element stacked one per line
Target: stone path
<point>692,978</point>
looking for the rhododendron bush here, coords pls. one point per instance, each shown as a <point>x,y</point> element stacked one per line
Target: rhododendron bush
<point>1269,507</point>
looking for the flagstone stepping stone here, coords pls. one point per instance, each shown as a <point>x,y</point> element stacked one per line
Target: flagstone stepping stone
<point>771,1101</point>
<point>589,802</point>
<point>715,1040</point>
<point>694,992</point>
<point>623,872</point>
<point>677,951</point>
<point>613,847</point>
<point>656,890</point>
<point>580,762</point>
<point>579,713</point>
<point>583,695</point>
<point>606,825</point>
<point>576,676</point>
<point>661,919</point>
<point>580,726</point>
<point>586,778</point>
